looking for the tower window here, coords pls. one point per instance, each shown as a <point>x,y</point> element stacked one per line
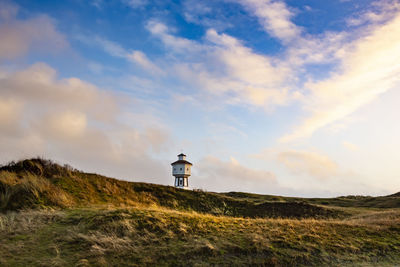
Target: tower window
<point>181,168</point>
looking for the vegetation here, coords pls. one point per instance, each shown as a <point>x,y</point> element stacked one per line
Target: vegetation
<point>392,201</point>
<point>54,215</point>
<point>42,183</point>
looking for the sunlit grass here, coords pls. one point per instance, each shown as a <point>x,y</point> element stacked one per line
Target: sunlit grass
<point>58,216</point>
<point>153,236</point>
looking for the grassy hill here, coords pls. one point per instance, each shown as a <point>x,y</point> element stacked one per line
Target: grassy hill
<point>53,215</point>
<point>40,183</point>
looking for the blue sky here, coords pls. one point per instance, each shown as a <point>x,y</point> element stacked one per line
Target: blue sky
<point>268,96</point>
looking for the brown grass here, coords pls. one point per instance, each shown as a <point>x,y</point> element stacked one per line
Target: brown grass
<point>58,216</point>
<point>158,236</point>
<point>38,183</point>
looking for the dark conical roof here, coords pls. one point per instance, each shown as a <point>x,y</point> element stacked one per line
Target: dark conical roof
<point>181,161</point>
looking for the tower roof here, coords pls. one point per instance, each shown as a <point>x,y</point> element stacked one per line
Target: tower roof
<point>182,155</point>
<point>181,161</point>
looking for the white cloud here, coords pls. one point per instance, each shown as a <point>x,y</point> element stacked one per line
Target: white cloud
<point>243,63</point>
<point>381,11</point>
<point>110,47</point>
<point>205,13</point>
<point>178,44</point>
<point>313,173</point>
<point>217,175</point>
<point>19,36</point>
<point>308,163</point>
<point>116,50</point>
<point>65,125</point>
<point>369,67</point>
<point>302,48</point>
<point>223,66</point>
<point>73,121</point>
<point>256,78</point>
<point>10,114</point>
<point>192,8</point>
<point>142,60</point>
<point>39,84</point>
<point>275,17</point>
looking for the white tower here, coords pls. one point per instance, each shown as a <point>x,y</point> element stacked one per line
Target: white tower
<point>181,171</point>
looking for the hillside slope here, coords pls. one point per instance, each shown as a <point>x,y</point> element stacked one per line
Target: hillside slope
<point>53,215</point>
<point>386,202</point>
<point>41,183</point>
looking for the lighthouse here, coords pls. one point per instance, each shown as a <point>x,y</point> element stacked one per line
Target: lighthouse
<point>181,171</point>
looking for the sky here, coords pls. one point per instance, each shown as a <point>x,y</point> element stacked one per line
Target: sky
<point>282,97</point>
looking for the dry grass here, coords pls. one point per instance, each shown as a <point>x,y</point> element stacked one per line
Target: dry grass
<point>378,219</point>
<point>38,183</point>
<point>154,236</point>
<point>26,221</point>
<point>91,220</point>
<point>30,191</point>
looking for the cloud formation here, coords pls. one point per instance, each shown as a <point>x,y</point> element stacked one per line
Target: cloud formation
<point>308,163</point>
<point>224,67</point>
<point>275,17</point>
<point>218,175</point>
<point>380,12</point>
<point>39,84</point>
<point>19,36</point>
<point>74,121</point>
<point>114,49</point>
<point>142,60</point>
<point>369,67</point>
<point>220,66</point>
